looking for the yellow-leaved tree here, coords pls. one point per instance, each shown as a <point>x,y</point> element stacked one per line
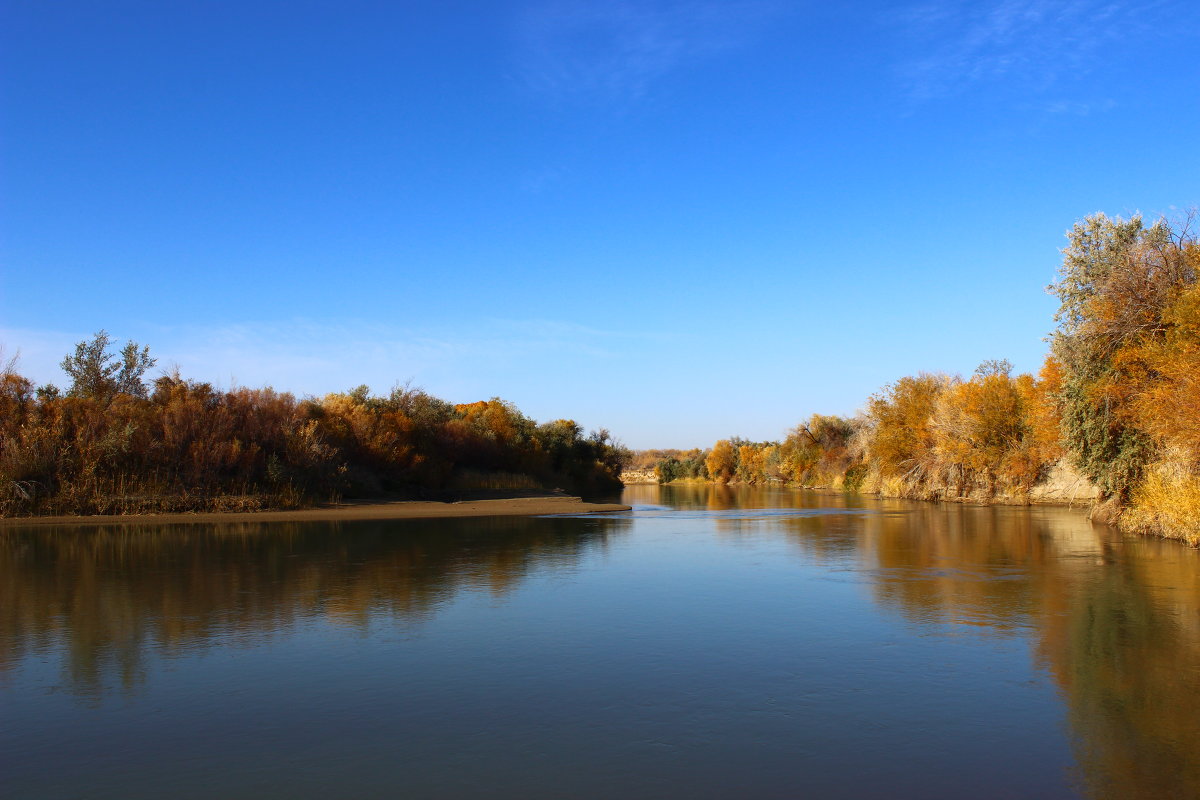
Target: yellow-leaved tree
<point>721,461</point>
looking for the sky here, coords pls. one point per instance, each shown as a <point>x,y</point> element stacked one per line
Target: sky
<point>680,221</point>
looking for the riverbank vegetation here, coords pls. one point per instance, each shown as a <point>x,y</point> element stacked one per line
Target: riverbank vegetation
<point>1116,402</point>
<point>113,444</point>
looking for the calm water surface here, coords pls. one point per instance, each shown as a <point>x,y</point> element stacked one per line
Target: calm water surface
<point>713,643</point>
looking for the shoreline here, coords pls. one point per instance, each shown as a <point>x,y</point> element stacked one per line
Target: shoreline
<point>341,512</point>
<point>1082,502</point>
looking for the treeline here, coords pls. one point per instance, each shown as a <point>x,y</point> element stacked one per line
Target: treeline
<point>1117,399</point>
<point>112,444</point>
<point>926,436</point>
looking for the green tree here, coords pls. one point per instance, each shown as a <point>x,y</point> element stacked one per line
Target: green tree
<point>97,373</point>
<point>1117,279</point>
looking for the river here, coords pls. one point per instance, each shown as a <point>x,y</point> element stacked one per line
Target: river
<point>712,643</point>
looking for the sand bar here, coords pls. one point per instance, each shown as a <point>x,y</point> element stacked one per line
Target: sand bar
<point>371,510</point>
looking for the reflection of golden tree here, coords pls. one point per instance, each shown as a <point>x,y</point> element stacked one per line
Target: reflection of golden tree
<point>110,596</point>
<point>1124,647</point>
<point>1117,621</point>
<point>959,563</point>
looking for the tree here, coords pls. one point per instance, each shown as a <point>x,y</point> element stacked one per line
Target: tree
<point>669,469</point>
<point>1118,280</point>
<point>721,461</point>
<point>994,366</point>
<point>132,369</point>
<point>903,441</point>
<point>1167,404</point>
<point>978,426</point>
<point>751,463</point>
<point>95,372</point>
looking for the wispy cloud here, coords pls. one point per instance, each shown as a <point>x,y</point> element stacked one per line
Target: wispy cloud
<point>1038,42</point>
<point>324,356</point>
<point>618,50</point>
<point>314,357</point>
<point>1081,109</point>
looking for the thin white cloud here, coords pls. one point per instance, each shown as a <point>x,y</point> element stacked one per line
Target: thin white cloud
<point>1081,109</point>
<point>315,357</point>
<point>1039,42</point>
<point>617,50</point>
<point>549,329</point>
<point>38,353</point>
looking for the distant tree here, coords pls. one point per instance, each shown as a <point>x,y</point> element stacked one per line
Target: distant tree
<point>750,464</point>
<point>679,464</point>
<point>609,452</point>
<point>132,369</point>
<point>722,461</point>
<point>669,469</point>
<point>95,372</point>
<point>994,366</point>
<point>48,391</point>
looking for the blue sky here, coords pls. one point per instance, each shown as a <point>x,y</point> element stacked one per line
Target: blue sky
<point>678,220</point>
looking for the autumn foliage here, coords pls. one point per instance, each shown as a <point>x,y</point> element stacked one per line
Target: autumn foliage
<point>113,444</point>
<point>1118,399</point>
<point>1129,342</point>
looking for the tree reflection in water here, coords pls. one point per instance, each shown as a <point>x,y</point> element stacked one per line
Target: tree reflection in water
<point>1114,620</point>
<point>108,596</point>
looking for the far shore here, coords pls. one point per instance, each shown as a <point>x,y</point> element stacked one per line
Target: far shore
<point>348,511</point>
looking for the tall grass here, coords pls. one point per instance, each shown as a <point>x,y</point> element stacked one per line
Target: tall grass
<point>1167,502</point>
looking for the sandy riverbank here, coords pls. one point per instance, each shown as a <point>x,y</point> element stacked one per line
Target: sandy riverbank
<point>365,510</point>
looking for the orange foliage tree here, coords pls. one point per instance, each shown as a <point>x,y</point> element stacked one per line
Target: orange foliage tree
<point>987,431</point>
<point>721,461</point>
<point>903,442</point>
